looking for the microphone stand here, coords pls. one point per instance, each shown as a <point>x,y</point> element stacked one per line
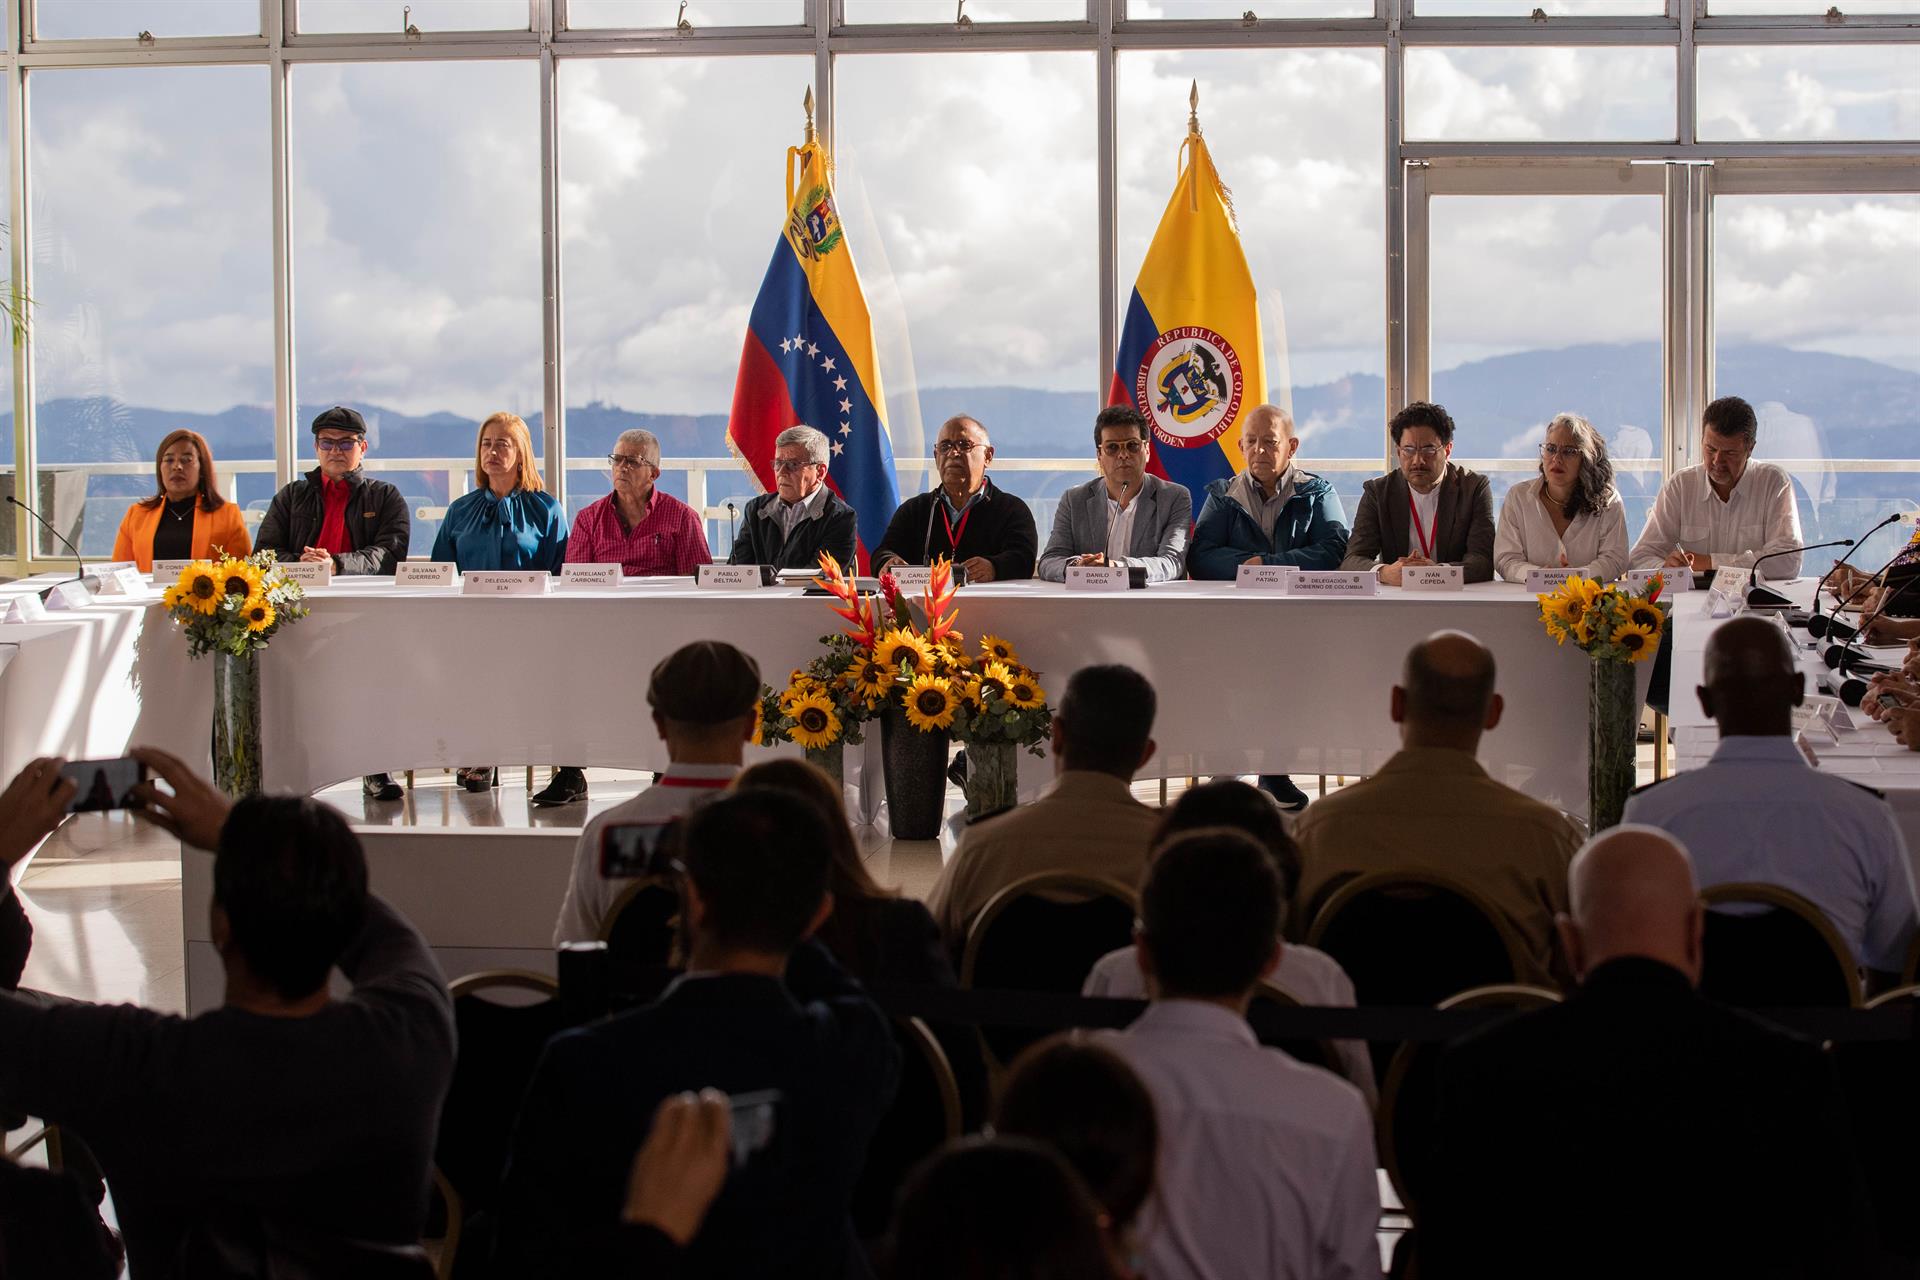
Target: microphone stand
<point>733,537</point>
<point>1853,690</point>
<point>1759,597</point>
<point>1819,626</point>
<point>81,576</point>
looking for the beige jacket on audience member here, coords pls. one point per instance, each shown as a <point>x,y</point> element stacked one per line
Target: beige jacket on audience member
<point>1431,809</point>
<point>1085,821</point>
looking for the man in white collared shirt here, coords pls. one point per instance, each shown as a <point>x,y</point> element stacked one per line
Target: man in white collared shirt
<point>1727,512</point>
<point>1266,1168</point>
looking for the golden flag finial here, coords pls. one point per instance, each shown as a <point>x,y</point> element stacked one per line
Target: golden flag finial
<point>1193,111</point>
<point>812,133</point>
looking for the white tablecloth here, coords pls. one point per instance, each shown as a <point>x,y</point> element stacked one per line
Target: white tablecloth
<point>385,678</point>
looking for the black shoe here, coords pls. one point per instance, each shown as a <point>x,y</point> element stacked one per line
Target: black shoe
<point>569,784</point>
<point>380,786</point>
<point>1281,788</point>
<point>480,777</point>
<point>957,771</point>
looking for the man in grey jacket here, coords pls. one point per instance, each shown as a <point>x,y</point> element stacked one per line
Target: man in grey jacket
<point>1125,516</point>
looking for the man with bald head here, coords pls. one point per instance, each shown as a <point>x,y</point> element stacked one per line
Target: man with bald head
<point>1638,1129</point>
<point>1431,807</point>
<point>1757,811</point>
<point>985,530</point>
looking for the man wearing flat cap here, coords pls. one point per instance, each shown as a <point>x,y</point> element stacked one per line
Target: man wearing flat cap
<point>702,697</point>
<point>337,512</point>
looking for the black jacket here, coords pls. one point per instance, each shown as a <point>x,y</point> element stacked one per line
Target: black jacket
<point>1639,1130</point>
<point>760,541</point>
<point>377,523</point>
<point>999,527</point>
<point>1464,516</point>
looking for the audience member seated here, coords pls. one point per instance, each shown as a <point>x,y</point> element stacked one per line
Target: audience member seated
<point>285,1104</point>
<point>187,519</point>
<point>1638,1129</point>
<point>802,517</point>
<point>1757,811</point>
<point>34,803</point>
<point>702,696</point>
<point>1429,511</point>
<point>1266,1165</point>
<point>1570,516</point>
<point>1008,1208</point>
<point>1431,807</point>
<point>646,532</point>
<point>1125,516</point>
<point>1309,975</point>
<point>1086,821</point>
<point>818,1053</point>
<point>1084,1101</point>
<point>985,530</point>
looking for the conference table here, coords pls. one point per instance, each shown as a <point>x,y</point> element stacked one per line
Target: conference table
<point>381,677</point>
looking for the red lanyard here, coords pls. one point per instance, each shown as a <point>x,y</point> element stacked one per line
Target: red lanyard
<point>953,535</point>
<point>1419,529</point>
<point>704,784</point>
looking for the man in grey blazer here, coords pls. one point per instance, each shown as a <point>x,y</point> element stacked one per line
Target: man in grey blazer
<point>1429,510</point>
<point>1124,516</point>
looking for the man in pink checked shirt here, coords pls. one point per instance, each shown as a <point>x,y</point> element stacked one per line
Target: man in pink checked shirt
<point>644,531</point>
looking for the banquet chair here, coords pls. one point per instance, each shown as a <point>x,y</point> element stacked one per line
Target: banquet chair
<point>1315,1053</point>
<point>1786,954</point>
<point>639,931</point>
<point>1043,932</point>
<point>1876,1080</point>
<point>924,1115</point>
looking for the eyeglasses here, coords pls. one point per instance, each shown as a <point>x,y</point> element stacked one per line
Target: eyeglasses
<point>1424,452</point>
<point>1552,451</point>
<point>327,444</point>
<point>626,462</point>
<point>787,466</point>
<point>955,448</point>
<point>1124,448</point>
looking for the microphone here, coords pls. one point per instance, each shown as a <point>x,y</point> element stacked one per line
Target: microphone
<point>1815,627</point>
<point>732,537</point>
<point>1759,597</point>
<point>1832,626</point>
<point>81,576</point>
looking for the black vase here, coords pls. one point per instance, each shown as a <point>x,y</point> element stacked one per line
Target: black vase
<point>915,764</point>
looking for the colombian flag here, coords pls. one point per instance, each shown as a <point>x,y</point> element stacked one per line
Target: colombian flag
<point>809,356</point>
<point>1190,355</point>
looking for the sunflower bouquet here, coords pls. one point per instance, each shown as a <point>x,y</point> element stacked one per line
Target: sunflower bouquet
<point>824,703</point>
<point>1002,701</point>
<point>1610,623</point>
<point>233,605</point>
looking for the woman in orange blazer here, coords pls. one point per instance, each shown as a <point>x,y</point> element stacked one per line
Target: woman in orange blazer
<point>187,519</point>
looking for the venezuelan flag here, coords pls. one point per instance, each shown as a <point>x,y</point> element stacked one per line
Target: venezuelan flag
<point>809,356</point>
<point>1191,354</point>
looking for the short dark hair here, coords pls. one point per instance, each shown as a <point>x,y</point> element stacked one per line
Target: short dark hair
<point>760,859</point>
<point>1436,696</point>
<point>1209,913</point>
<point>1229,802</point>
<point>1119,415</point>
<point>1731,416</point>
<point>1422,413</point>
<point>707,682</point>
<point>1085,1102</point>
<point>1009,1208</point>
<point>1106,719</point>
<point>292,880</point>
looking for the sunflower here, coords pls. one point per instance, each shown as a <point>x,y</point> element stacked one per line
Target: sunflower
<point>759,723</point>
<point>170,598</point>
<point>803,687</point>
<point>992,682</point>
<point>238,578</point>
<point>930,704</point>
<point>1639,642</point>
<point>814,723</point>
<point>869,679</point>
<point>901,648</point>
<point>1562,612</point>
<point>1641,614</point>
<point>258,613</point>
<point>998,650</point>
<point>1024,691</point>
<point>199,588</point>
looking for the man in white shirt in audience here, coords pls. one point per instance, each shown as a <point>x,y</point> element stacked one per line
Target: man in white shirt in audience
<point>1759,812</point>
<point>1726,512</point>
<point>702,696</point>
<point>1266,1168</point>
<point>1086,821</point>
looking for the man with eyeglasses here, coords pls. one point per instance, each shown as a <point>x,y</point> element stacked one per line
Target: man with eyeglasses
<point>339,514</point>
<point>1429,511</point>
<point>791,526</point>
<point>1124,516</point>
<point>987,531</point>
<point>1726,512</point>
<point>646,532</point>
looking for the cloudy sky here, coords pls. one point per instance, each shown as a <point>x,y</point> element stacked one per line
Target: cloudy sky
<point>967,182</point>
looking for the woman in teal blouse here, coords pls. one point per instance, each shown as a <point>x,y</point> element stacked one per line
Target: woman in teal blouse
<point>509,521</point>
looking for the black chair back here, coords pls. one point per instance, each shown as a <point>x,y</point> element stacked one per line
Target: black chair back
<point>1877,1079</point>
<point>639,932</point>
<point>924,1115</point>
<point>1784,954</point>
<point>238,1245</point>
<point>1315,1053</point>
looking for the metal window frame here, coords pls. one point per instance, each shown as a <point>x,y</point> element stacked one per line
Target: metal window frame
<point>1690,173</point>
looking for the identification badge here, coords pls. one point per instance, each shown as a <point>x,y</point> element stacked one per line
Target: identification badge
<point>584,577</point>
<point>1096,577</point>
<point>1262,577</point>
<point>426,573</point>
<point>505,582</point>
<point>1433,577</point>
<point>309,573</point>
<point>1333,582</point>
<point>1541,581</point>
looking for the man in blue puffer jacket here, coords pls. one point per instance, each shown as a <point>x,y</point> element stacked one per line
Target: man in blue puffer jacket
<point>1271,513</point>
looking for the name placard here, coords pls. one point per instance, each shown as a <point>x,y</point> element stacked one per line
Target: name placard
<point>1732,583</point>
<point>1541,581</point>
<point>589,577</point>
<point>505,582</point>
<point>26,608</point>
<point>1096,577</point>
<point>729,577</point>
<point>1680,579</point>
<point>1262,577</point>
<point>309,573</point>
<point>123,581</point>
<point>911,578</point>
<point>167,572</point>
<point>1433,577</point>
<point>70,595</point>
<point>1333,582</point>
<point>443,574</point>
